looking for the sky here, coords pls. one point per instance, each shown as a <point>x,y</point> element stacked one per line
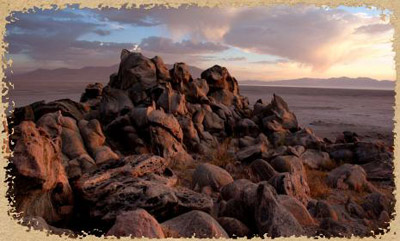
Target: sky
<point>254,43</point>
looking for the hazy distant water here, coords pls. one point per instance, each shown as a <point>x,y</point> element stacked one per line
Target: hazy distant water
<point>327,111</point>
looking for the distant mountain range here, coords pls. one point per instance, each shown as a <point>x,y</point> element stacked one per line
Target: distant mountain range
<point>339,83</point>
<point>102,74</point>
<point>85,74</point>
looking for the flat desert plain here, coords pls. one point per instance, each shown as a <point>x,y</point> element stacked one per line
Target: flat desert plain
<point>328,112</point>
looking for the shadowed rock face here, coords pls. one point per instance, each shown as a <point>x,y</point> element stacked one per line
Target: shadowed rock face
<point>41,185</point>
<point>160,154</point>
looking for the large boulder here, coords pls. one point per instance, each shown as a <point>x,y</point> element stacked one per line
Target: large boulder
<point>365,152</point>
<point>163,143</point>
<point>114,102</point>
<point>92,95</point>
<point>212,122</point>
<point>172,101</point>
<point>316,159</point>
<point>125,137</point>
<point>281,111</point>
<point>180,75</point>
<point>145,181</point>
<point>190,134</point>
<point>218,78</point>
<point>193,224</point>
<point>241,200</point>
<point>73,147</point>
<point>166,137</point>
<point>135,69</point>
<point>167,122</point>
<point>136,224</point>
<point>349,176</point>
<point>35,111</point>
<point>41,186</point>
<point>234,227</point>
<point>224,88</point>
<point>297,209</point>
<point>161,69</point>
<point>292,179</point>
<point>198,90</point>
<point>210,175</point>
<point>247,127</point>
<point>292,185</point>
<point>238,189</point>
<point>341,152</point>
<point>223,96</point>
<point>272,219</point>
<point>304,137</point>
<point>322,209</point>
<point>94,138</point>
<point>380,170</point>
<point>251,153</point>
<point>275,117</point>
<point>262,170</point>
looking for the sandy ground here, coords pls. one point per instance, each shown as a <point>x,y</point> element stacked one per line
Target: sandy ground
<point>328,112</point>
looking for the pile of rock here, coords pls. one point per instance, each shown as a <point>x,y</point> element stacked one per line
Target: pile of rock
<point>116,159</point>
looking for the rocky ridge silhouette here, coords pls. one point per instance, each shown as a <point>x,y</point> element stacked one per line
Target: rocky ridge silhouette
<point>156,150</point>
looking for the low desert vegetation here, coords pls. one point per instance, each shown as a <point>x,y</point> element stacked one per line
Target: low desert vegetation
<point>319,188</point>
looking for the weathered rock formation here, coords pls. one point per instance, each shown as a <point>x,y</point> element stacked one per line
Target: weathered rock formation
<point>157,153</point>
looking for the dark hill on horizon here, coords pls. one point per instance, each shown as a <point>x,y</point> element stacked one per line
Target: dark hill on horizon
<point>101,74</point>
<point>86,74</point>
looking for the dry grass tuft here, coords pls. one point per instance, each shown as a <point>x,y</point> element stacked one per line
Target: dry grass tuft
<point>319,188</point>
<point>220,156</point>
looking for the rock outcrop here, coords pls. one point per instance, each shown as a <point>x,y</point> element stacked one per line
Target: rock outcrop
<point>158,153</point>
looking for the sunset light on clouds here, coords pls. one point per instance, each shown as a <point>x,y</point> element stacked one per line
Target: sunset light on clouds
<point>262,43</point>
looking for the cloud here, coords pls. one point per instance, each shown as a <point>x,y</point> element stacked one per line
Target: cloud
<point>374,28</point>
<point>200,23</point>
<point>51,38</point>
<point>102,32</point>
<point>234,59</point>
<point>134,16</point>
<point>311,36</point>
<point>307,36</point>
<point>302,34</point>
<point>278,61</point>
<point>167,45</point>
